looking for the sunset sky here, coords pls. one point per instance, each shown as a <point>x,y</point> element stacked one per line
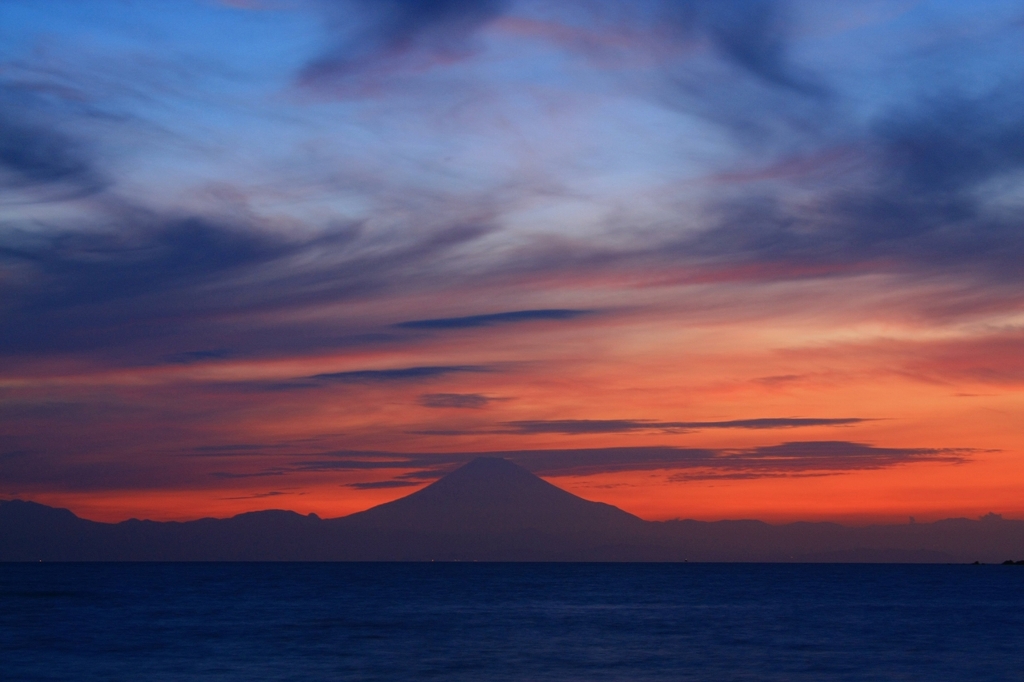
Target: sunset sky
<point>694,258</point>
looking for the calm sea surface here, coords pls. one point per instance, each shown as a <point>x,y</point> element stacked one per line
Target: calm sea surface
<point>510,622</point>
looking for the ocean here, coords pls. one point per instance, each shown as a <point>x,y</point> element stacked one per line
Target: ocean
<point>482,622</point>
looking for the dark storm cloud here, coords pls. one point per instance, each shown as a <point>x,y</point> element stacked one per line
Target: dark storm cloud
<point>494,318</point>
<point>391,28</point>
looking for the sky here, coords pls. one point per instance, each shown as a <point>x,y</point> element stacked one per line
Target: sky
<point>693,258</point>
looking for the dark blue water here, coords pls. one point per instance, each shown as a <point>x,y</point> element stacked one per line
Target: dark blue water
<point>510,622</point>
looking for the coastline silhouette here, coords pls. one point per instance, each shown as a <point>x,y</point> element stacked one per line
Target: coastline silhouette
<point>493,510</point>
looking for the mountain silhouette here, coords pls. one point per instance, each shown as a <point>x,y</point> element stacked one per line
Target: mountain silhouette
<point>491,510</point>
<point>492,495</point>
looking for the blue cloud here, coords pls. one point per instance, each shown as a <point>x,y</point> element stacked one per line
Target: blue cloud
<point>386,28</point>
<point>494,319</point>
<point>402,374</point>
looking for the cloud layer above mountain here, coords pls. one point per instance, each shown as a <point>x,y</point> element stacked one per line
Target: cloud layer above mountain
<point>460,226</point>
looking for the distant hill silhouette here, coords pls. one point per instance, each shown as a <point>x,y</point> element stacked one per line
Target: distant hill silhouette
<point>491,510</point>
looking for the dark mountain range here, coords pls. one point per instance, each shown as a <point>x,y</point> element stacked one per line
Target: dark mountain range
<point>491,510</point>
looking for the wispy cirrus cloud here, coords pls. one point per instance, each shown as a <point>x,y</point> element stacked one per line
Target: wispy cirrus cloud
<point>392,30</point>
<point>42,165</point>
<point>400,374</point>
<point>194,356</point>
<point>29,470</point>
<point>578,427</point>
<point>381,485</point>
<point>491,319</point>
<point>791,458</point>
<point>396,375</point>
<point>928,200</point>
<point>465,401</point>
<point>453,205</point>
<point>797,458</point>
<point>819,458</point>
<point>753,34</point>
<point>41,161</point>
<point>259,496</point>
<point>587,426</point>
<point>123,286</point>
